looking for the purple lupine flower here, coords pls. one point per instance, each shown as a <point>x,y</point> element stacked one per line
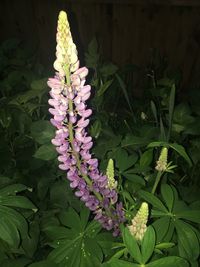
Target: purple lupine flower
<point>71,117</point>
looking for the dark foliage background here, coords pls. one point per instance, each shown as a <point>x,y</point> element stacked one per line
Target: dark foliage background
<point>143,59</point>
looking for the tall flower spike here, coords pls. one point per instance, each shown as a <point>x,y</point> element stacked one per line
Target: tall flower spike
<point>161,164</point>
<point>139,222</point>
<point>71,118</point>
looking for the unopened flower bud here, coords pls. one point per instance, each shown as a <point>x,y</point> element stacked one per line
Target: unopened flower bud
<point>66,53</point>
<point>138,226</point>
<point>110,174</point>
<point>161,164</point>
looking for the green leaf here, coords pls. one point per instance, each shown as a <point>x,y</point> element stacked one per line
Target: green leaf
<point>154,111</point>
<point>8,232</point>
<point>188,243</point>
<point>18,202</point>
<point>132,140</point>
<point>132,245</point>
<point>92,57</point>
<point>161,226</point>
<point>134,178</point>
<point>119,263</point>
<point>39,85</point>
<point>181,150</point>
<point>190,215</point>
<point>168,196</point>
<point>157,144</point>
<point>42,131</point>
<point>20,262</point>
<point>76,245</point>
<point>146,158</point>
<point>108,69</point>
<point>73,220</point>
<point>92,229</point>
<point>171,108</point>
<point>169,262</point>
<point>165,245</point>
<point>104,87</point>
<point>124,90</point>
<point>95,129</point>
<point>148,244</point>
<point>30,242</point>
<point>43,264</point>
<point>123,161</point>
<point>154,201</point>
<point>46,152</point>
<point>13,189</point>
<point>16,218</point>
<point>58,232</point>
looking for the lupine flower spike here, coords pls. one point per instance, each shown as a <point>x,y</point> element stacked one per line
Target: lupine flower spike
<point>161,164</point>
<point>139,222</point>
<point>71,117</point>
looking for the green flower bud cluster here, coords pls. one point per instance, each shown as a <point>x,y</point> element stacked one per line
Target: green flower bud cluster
<point>112,184</point>
<point>139,222</point>
<point>161,164</point>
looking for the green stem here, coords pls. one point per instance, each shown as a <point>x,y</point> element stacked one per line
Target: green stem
<point>158,177</point>
<point>71,139</point>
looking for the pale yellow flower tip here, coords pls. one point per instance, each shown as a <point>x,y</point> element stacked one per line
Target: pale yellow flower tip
<point>62,15</point>
<point>66,53</point>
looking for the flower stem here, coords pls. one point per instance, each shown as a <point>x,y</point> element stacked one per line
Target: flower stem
<point>71,139</point>
<point>158,177</point>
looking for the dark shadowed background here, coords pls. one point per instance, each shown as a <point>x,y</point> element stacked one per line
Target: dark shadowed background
<point>127,31</point>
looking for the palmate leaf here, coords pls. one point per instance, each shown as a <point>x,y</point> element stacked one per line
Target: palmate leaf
<point>76,245</point>
<point>13,226</point>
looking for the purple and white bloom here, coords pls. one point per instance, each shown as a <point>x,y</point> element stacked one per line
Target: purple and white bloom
<point>71,118</point>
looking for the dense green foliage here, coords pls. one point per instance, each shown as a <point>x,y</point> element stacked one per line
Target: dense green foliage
<point>42,223</point>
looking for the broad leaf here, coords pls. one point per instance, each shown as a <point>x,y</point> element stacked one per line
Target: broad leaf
<point>168,196</point>
<point>46,152</point>
<point>132,245</point>
<point>187,241</point>
<point>42,131</point>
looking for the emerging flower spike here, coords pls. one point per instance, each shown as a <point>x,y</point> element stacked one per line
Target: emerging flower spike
<point>110,174</point>
<point>138,226</point>
<point>161,164</point>
<point>71,117</point>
